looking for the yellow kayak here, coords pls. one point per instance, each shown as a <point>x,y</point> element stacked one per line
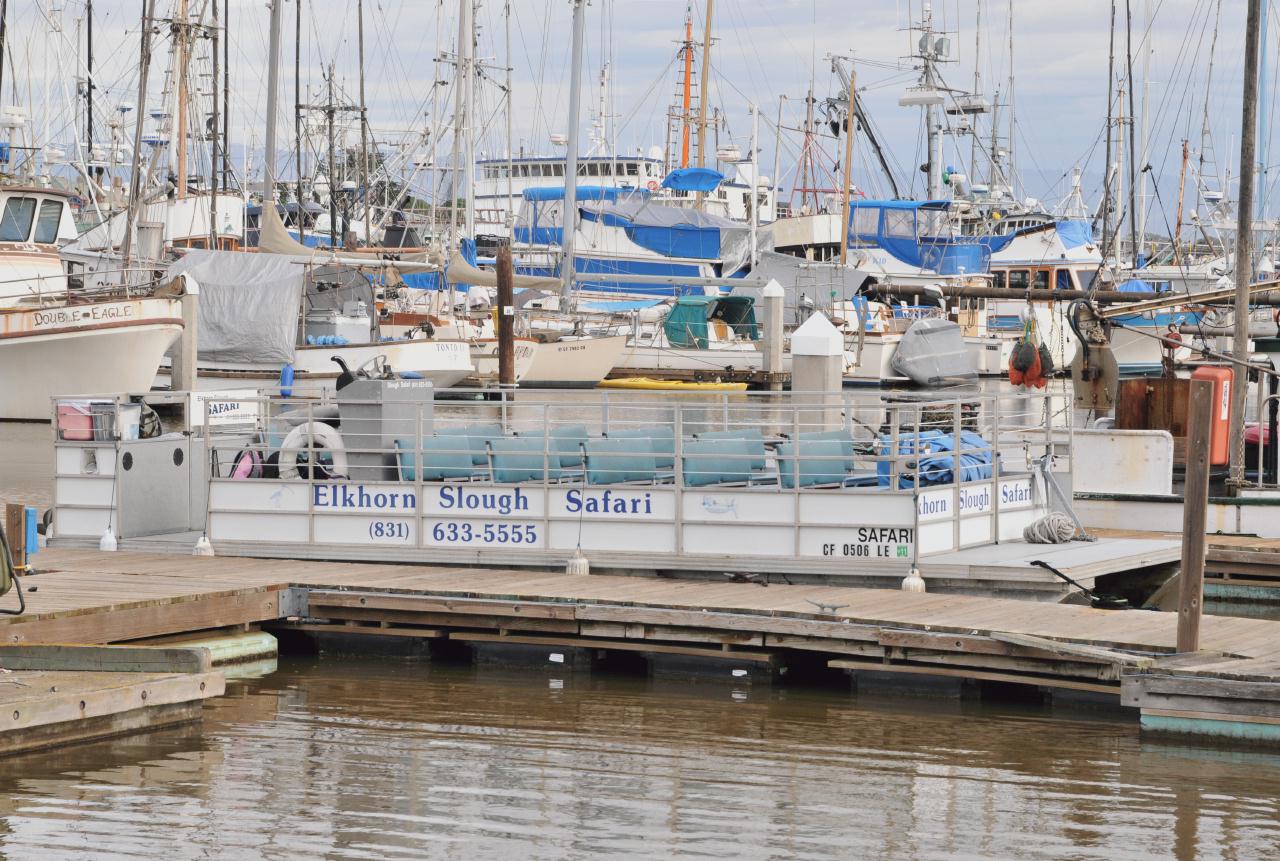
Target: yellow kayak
<point>651,385</point>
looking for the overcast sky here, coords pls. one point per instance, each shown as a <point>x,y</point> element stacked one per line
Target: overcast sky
<point>763,49</point>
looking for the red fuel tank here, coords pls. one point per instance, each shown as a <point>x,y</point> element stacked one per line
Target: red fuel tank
<point>1220,415</point>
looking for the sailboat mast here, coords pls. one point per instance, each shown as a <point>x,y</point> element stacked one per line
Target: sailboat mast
<point>1144,131</point>
<point>469,131</point>
<point>226,95</point>
<point>850,125</point>
<point>1134,238</point>
<point>212,132</point>
<point>181,60</point>
<point>273,95</point>
<point>703,94</point>
<point>364,126</point>
<point>569,219</point>
<point>1011,174</point>
<point>755,183</point>
<point>88,77</point>
<point>1264,116</point>
<point>1244,235</point>
<point>1107,172</point>
<point>511,200</point>
<point>135,170</point>
<point>977,89</point>
<point>688,87</point>
<point>300,217</point>
<point>333,173</point>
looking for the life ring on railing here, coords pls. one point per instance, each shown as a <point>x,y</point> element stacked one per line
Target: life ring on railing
<point>652,185</point>
<point>317,435</point>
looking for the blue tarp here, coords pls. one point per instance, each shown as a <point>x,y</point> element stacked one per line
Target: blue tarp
<point>937,462</point>
<point>702,179</point>
<point>1074,233</point>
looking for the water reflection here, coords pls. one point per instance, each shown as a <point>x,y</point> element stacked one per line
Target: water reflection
<point>347,759</point>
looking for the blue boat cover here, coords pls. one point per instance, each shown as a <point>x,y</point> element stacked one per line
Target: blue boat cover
<point>937,464</point>
<point>1073,232</point>
<point>916,232</point>
<point>693,179</point>
<point>584,192</point>
<point>672,231</point>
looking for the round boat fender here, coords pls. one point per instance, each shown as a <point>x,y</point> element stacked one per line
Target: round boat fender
<point>322,436</point>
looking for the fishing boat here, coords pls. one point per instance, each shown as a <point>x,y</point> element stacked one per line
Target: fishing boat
<point>56,337</point>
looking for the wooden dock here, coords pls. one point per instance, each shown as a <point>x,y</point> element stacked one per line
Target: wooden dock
<point>61,694</point>
<point>1230,689</point>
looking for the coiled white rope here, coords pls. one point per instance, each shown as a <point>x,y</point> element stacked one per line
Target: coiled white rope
<point>1054,528</point>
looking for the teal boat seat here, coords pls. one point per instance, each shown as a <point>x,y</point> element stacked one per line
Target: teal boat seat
<point>476,435</point>
<point>617,461</point>
<point>751,436</point>
<point>819,461</point>
<point>565,442</point>
<point>842,436</point>
<point>662,439</point>
<point>442,458</point>
<point>718,461</point>
<point>518,459</point>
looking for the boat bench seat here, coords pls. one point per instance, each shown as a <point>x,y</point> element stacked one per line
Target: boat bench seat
<point>622,461</point>
<point>817,463</point>
<point>751,436</point>
<point>661,439</point>
<point>722,461</point>
<point>438,458</point>
<point>517,459</point>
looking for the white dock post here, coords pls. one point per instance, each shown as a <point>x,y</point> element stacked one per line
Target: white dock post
<point>182,376</point>
<point>774,297</point>
<point>817,365</point>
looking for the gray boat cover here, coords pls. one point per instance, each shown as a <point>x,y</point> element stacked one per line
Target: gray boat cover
<point>249,304</point>
<point>933,352</point>
<point>807,284</point>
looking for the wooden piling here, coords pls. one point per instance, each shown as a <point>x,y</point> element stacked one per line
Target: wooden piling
<point>15,532</point>
<point>506,318</point>
<point>1195,504</point>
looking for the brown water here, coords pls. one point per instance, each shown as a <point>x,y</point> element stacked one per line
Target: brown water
<point>343,759</point>
<point>395,759</point>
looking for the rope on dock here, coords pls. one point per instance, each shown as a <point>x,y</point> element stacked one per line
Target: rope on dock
<point>1053,528</point>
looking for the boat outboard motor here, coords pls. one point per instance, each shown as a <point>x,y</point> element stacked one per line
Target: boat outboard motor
<point>345,378</point>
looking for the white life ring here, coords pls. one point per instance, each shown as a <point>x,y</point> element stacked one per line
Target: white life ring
<point>652,185</point>
<point>317,435</point>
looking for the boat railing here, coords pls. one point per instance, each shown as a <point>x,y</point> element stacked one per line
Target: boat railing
<point>1266,445</point>
<point>836,475</point>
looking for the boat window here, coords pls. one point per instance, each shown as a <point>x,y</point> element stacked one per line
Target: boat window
<point>932,222</point>
<point>1062,279</point>
<point>15,223</point>
<point>1085,277</point>
<point>899,222</point>
<point>866,221</point>
<point>593,169</point>
<point>606,169</point>
<point>47,223</point>
<point>633,170</point>
<point>1042,279</point>
<point>1019,279</point>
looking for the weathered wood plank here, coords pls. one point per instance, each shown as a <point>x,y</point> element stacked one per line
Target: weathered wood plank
<point>120,659</point>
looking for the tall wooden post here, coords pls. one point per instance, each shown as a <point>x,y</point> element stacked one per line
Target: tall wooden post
<point>1194,506</point>
<point>506,318</point>
<point>1244,234</point>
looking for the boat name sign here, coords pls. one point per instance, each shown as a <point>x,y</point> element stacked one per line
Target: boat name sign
<point>74,316</point>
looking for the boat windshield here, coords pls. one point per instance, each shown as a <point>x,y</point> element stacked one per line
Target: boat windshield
<point>47,223</point>
<point>15,223</point>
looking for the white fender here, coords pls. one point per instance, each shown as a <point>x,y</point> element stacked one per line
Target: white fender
<point>321,436</point>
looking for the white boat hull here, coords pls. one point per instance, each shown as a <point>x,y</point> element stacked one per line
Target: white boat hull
<point>444,363</point>
<point>644,358</point>
<point>100,348</point>
<point>567,363</point>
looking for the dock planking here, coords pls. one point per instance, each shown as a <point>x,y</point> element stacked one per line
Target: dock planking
<point>94,597</point>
